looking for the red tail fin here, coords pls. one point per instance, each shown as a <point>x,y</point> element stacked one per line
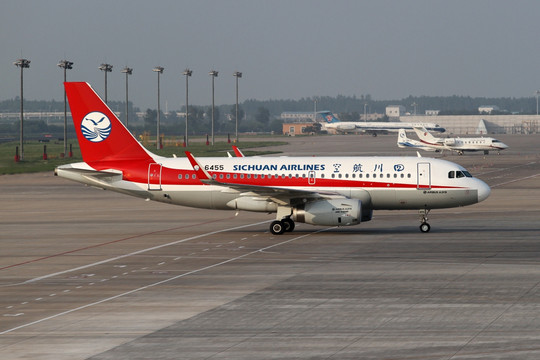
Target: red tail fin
<point>101,135</point>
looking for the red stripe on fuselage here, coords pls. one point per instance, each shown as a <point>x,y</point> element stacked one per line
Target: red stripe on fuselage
<point>138,172</point>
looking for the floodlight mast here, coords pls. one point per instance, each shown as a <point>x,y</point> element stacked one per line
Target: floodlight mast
<point>23,64</point>
<point>128,71</point>
<point>213,74</point>
<point>187,73</point>
<point>159,70</point>
<point>237,75</point>
<point>66,65</point>
<point>105,68</point>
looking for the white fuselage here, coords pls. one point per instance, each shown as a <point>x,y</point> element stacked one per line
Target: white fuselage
<point>379,182</point>
<point>345,126</point>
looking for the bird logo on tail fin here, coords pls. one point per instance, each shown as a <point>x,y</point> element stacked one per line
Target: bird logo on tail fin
<point>96,127</point>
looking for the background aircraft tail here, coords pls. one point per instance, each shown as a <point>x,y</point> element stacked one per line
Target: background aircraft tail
<point>328,117</point>
<point>402,138</point>
<point>101,135</point>
<point>424,135</point>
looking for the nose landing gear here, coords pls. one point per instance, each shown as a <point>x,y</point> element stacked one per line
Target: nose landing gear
<point>424,226</point>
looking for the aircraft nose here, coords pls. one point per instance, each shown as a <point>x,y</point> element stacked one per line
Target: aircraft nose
<point>483,190</point>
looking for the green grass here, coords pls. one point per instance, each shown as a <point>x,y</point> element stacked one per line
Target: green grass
<point>33,153</point>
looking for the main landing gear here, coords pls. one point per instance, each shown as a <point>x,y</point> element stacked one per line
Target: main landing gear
<point>278,227</point>
<point>424,226</point>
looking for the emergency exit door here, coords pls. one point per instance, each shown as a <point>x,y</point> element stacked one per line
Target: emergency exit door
<point>154,176</point>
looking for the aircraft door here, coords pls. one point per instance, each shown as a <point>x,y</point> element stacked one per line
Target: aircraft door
<point>424,176</point>
<point>154,176</point>
<point>311,178</point>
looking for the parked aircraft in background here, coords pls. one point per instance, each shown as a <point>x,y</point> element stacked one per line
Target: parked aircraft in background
<point>459,145</point>
<point>404,142</point>
<point>329,191</point>
<point>331,122</point>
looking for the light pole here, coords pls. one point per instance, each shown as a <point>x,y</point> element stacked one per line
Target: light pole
<point>187,73</point>
<point>66,65</point>
<point>105,68</point>
<point>23,64</point>
<point>213,74</point>
<point>537,92</point>
<point>365,112</point>
<point>128,71</point>
<point>159,70</point>
<point>237,75</point>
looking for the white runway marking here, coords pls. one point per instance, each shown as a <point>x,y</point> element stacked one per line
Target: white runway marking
<point>262,250</point>
<point>137,253</point>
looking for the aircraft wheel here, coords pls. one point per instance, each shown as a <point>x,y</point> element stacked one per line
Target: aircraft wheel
<point>425,227</point>
<point>277,227</point>
<point>288,224</point>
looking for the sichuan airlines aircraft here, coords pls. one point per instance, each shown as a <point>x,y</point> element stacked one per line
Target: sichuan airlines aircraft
<point>331,122</point>
<point>330,191</point>
<point>459,145</point>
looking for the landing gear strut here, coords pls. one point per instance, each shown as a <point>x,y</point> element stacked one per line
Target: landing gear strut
<point>278,227</point>
<point>424,226</point>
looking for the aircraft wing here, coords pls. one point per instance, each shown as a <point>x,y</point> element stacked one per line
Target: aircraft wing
<point>279,195</point>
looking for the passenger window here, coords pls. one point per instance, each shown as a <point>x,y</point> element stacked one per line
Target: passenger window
<point>193,176</point>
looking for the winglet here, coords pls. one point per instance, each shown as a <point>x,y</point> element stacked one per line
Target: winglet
<point>202,174</point>
<point>237,151</point>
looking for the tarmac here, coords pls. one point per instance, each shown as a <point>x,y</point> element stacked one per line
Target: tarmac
<point>91,274</point>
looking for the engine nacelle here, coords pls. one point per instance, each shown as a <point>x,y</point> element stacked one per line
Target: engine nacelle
<point>450,142</point>
<point>252,204</point>
<point>346,127</point>
<point>336,212</point>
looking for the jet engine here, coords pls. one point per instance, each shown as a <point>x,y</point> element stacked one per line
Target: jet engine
<point>335,212</point>
<point>346,127</point>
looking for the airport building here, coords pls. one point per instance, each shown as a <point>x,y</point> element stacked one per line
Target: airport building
<point>481,124</point>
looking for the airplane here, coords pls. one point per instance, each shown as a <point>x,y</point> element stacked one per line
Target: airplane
<point>404,142</point>
<point>460,145</point>
<point>329,191</point>
<point>333,123</point>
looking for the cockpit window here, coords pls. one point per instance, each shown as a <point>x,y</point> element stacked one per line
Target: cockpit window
<point>458,174</point>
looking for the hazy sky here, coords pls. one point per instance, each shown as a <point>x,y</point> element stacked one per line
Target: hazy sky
<point>285,49</point>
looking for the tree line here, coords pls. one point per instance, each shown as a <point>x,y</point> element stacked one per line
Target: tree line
<point>264,115</point>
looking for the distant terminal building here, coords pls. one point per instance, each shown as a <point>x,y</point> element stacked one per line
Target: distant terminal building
<point>481,124</point>
<point>297,116</point>
<point>394,111</point>
<point>297,128</point>
<point>432,112</point>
